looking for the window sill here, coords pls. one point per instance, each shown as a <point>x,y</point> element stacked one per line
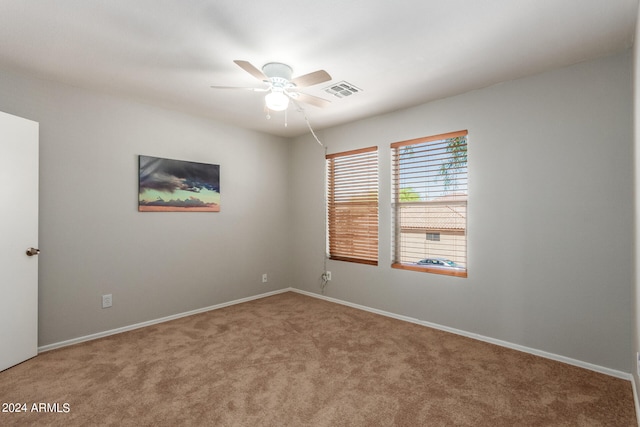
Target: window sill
<point>445,272</point>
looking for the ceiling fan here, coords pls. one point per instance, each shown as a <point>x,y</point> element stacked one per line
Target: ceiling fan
<point>281,87</point>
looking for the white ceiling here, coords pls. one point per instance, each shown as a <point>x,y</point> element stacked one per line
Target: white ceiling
<point>399,52</point>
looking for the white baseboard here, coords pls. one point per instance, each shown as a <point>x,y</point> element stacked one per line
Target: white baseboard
<point>547,355</point>
<point>153,322</point>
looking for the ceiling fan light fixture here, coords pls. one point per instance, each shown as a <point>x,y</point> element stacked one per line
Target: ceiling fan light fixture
<point>276,101</point>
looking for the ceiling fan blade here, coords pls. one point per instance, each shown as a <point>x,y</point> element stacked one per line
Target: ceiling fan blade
<point>249,68</point>
<point>254,89</point>
<point>311,79</point>
<point>312,100</point>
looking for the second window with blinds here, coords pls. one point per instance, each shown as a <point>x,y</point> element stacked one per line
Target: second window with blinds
<point>430,204</point>
<point>352,205</point>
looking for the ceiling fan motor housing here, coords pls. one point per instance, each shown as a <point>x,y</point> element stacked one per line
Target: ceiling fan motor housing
<point>277,72</point>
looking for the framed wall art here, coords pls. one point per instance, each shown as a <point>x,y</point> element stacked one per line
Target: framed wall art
<point>166,185</point>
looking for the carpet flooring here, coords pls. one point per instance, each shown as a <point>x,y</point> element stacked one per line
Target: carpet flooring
<point>294,360</point>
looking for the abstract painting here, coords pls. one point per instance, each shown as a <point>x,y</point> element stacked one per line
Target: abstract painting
<point>167,185</point>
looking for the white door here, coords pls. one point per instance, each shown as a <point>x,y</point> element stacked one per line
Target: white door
<point>18,233</point>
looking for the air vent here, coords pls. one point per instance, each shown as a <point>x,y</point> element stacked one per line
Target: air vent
<point>342,89</point>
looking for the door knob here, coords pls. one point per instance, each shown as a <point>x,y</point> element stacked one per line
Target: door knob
<point>33,251</point>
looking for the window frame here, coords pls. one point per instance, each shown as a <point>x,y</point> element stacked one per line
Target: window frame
<point>396,206</point>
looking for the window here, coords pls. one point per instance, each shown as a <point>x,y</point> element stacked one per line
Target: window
<point>430,196</point>
<point>434,237</point>
<point>352,205</point>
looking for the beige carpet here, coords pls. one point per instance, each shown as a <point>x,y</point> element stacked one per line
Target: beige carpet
<point>293,360</point>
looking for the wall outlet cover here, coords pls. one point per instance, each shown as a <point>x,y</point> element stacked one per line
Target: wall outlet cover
<point>107,301</point>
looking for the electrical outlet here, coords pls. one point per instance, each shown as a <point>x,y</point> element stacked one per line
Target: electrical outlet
<point>107,301</point>
<point>327,276</point>
<point>264,278</point>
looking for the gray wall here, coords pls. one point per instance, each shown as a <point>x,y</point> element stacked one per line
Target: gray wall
<point>94,241</point>
<point>550,214</point>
